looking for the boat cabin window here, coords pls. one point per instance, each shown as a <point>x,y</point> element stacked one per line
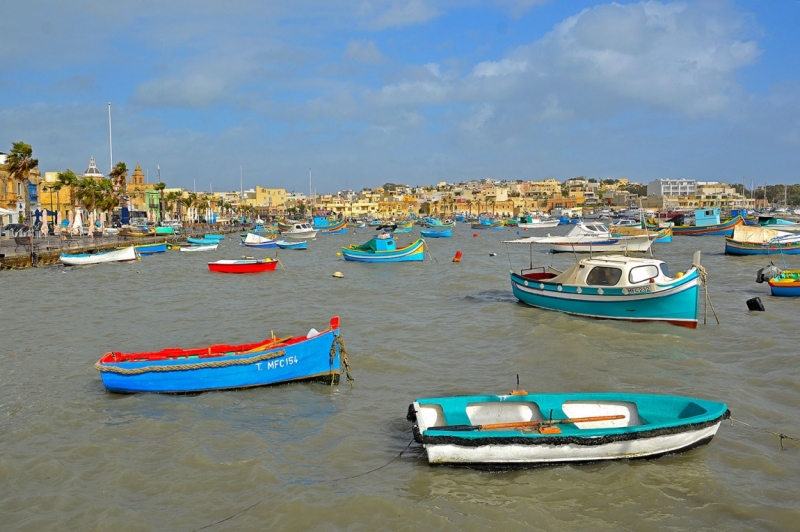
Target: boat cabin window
<point>665,269</point>
<point>642,273</point>
<point>604,276</point>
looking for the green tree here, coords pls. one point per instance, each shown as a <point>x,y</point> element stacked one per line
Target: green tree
<point>21,163</point>
<point>160,186</point>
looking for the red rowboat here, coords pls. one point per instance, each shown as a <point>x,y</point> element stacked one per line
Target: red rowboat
<point>243,266</point>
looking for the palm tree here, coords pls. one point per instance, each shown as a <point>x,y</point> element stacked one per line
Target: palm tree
<point>68,178</point>
<point>160,186</point>
<point>169,202</point>
<point>188,201</point>
<point>20,165</point>
<point>108,199</point>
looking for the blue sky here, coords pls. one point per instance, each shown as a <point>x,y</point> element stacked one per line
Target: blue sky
<point>406,91</point>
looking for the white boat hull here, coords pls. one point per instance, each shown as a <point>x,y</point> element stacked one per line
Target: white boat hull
<point>83,259</point>
<point>200,247</point>
<point>519,455</point>
<point>634,244</point>
<point>300,235</point>
<point>545,224</point>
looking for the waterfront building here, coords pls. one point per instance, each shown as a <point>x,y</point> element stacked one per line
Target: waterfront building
<point>672,187</point>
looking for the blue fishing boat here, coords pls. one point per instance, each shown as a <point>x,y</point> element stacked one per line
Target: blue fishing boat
<point>314,356</point>
<point>149,249</point>
<point>786,284</point>
<point>383,248</point>
<point>527,430</point>
<point>404,227</point>
<point>328,227</point>
<point>195,240</point>
<point>292,244</point>
<point>487,223</point>
<point>614,287</point>
<point>436,233</point>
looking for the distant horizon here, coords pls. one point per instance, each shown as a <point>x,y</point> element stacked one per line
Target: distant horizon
<point>407,90</point>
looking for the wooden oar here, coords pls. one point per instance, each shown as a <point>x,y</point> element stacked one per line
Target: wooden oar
<point>524,424</point>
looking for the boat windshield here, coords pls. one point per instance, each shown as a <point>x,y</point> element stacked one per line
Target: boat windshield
<point>604,276</point>
<point>642,273</point>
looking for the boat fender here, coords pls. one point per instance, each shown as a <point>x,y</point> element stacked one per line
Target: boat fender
<point>338,274</point>
<point>679,275</point>
<point>518,392</point>
<point>767,273</point>
<point>755,304</point>
<point>475,235</point>
<point>457,258</point>
<point>492,254</point>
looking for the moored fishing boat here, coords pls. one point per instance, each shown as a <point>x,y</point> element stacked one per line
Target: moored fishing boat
<point>297,244</point>
<point>200,247</point>
<point>243,266</point>
<point>786,284</point>
<point>436,233</point>
<point>383,248</point>
<point>529,222</point>
<point>214,236</point>
<point>707,223</point>
<point>329,227</point>
<point>314,356</point>
<point>82,259</point>
<point>254,240</point>
<point>298,231</point>
<point>526,430</point>
<point>149,249</point>
<point>662,235</point>
<point>614,287</point>
<point>487,224</point>
<point>591,237</point>
<point>755,240</point>
<point>195,240</point>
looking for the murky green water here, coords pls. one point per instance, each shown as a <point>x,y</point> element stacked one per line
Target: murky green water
<point>76,458</point>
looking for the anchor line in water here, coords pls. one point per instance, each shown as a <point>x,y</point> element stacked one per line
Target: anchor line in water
<point>240,512</point>
<point>780,435</point>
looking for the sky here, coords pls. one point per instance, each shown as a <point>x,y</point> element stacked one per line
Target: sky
<point>336,94</point>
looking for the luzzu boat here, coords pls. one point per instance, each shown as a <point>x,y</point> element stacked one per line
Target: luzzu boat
<point>315,356</point>
<point>525,430</point>
<point>786,284</point>
<point>614,287</point>
<point>328,227</point>
<point>707,223</point>
<point>754,240</point>
<point>383,248</point>
<point>662,235</point>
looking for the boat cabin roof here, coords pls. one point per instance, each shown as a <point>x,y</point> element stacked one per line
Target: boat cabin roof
<point>613,270</point>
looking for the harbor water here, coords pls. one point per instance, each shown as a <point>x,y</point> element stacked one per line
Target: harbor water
<point>320,457</point>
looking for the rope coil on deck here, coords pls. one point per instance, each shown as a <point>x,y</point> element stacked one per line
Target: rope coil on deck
<point>184,367</point>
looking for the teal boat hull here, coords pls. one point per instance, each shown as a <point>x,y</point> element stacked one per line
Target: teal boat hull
<point>675,303</point>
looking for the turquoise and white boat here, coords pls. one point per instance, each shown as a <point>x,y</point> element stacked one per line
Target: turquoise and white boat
<point>436,233</point>
<point>614,287</point>
<point>292,244</point>
<point>214,237</point>
<point>205,241</point>
<point>383,248</point>
<point>526,430</point>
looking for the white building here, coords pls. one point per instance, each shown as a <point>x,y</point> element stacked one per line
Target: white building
<point>672,187</point>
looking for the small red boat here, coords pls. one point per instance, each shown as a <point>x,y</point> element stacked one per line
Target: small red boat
<point>243,266</point>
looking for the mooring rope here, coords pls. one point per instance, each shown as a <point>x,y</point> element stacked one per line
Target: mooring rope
<point>338,341</point>
<point>703,275</point>
<point>183,367</point>
<point>780,435</point>
<point>240,512</point>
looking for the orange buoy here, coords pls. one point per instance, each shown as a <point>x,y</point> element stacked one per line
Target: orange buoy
<point>457,258</point>
<point>474,234</point>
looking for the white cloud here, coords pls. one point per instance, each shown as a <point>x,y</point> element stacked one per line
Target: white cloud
<point>402,14</point>
<point>364,52</point>
<point>505,67</point>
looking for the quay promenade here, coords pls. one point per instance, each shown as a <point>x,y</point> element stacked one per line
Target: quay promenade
<point>16,252</point>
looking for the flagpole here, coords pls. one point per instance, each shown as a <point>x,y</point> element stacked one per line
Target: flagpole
<point>110,148</point>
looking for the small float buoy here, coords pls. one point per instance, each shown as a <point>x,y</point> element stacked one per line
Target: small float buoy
<point>138,271</point>
<point>474,234</point>
<point>492,254</point>
<point>755,304</point>
<point>457,258</point>
<point>338,274</point>
<point>338,253</point>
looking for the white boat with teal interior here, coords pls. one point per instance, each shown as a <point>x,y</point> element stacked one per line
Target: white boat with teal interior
<point>592,237</point>
<point>82,259</point>
<point>614,287</point>
<point>525,430</point>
